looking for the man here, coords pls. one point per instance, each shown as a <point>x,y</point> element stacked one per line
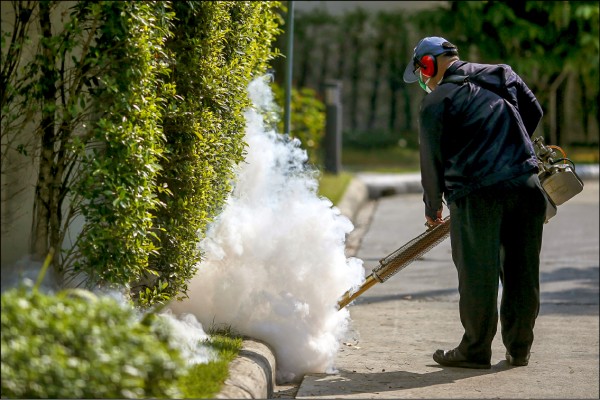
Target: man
<point>476,124</point>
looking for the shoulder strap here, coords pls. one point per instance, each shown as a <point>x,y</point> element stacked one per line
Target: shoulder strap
<point>462,79</point>
<point>458,79</point>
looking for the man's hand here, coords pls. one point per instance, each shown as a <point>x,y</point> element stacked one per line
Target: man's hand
<point>431,222</point>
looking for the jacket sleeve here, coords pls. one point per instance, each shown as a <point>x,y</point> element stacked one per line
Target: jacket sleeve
<point>431,161</point>
<point>527,104</point>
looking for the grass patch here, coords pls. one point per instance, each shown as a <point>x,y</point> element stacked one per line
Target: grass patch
<point>582,154</point>
<point>333,186</point>
<point>390,159</point>
<point>397,159</point>
<point>387,159</point>
<point>204,381</point>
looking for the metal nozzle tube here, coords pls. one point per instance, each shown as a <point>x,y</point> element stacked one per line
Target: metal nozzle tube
<point>400,258</point>
<point>348,297</point>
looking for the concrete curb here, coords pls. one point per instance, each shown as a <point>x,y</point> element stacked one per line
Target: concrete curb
<point>379,185</point>
<point>252,373</point>
<point>389,184</point>
<point>355,196</point>
<point>588,171</point>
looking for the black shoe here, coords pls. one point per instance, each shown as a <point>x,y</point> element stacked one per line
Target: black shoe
<point>517,361</point>
<point>453,358</point>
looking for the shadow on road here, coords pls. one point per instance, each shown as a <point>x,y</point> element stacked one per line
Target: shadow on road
<point>570,290</point>
<point>350,382</point>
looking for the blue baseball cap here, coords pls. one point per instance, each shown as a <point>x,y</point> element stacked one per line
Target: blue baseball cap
<point>433,45</point>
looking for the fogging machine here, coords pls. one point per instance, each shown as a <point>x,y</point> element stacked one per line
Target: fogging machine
<point>559,181</point>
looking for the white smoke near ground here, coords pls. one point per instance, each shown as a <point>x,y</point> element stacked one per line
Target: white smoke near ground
<point>188,336</point>
<point>274,265</point>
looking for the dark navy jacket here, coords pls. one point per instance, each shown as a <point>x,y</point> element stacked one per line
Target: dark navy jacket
<point>475,134</point>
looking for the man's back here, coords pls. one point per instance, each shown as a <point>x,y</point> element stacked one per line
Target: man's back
<point>475,136</point>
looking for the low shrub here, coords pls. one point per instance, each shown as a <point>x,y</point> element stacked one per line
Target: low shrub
<point>307,118</point>
<point>77,345</point>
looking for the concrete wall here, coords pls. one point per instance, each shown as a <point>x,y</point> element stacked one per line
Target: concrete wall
<point>18,177</point>
<point>341,7</point>
<point>19,171</point>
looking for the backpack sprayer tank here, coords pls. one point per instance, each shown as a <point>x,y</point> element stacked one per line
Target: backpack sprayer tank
<point>560,182</point>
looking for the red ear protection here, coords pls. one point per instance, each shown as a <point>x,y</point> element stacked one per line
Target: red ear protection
<point>428,65</point>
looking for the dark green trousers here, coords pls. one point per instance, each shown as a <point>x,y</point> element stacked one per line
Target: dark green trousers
<point>496,235</point>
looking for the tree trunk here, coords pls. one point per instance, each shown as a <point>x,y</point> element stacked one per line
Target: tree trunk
<point>43,202</point>
<point>585,108</point>
<point>552,91</point>
<point>307,46</point>
<point>379,47</point>
<point>325,51</point>
<point>354,78</point>
<point>341,65</point>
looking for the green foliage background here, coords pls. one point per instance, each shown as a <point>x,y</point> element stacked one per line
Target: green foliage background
<point>307,119</point>
<point>546,42</point>
<point>553,45</point>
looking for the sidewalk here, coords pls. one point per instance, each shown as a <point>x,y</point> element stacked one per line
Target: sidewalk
<point>398,324</point>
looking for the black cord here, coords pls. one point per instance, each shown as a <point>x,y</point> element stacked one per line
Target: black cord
<point>564,159</point>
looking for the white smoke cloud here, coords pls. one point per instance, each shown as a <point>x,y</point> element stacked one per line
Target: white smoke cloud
<point>189,337</point>
<point>274,265</point>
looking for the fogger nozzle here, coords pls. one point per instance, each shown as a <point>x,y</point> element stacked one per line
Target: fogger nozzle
<point>399,259</point>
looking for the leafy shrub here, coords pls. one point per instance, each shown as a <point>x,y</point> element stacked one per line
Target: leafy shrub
<point>307,118</point>
<point>82,346</point>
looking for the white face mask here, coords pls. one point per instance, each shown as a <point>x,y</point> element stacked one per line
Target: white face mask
<point>423,84</point>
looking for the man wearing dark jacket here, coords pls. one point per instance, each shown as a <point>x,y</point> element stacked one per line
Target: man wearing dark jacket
<point>476,124</point>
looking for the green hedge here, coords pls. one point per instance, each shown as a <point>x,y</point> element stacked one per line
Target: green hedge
<point>172,137</point>
<point>217,48</point>
<point>122,157</point>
